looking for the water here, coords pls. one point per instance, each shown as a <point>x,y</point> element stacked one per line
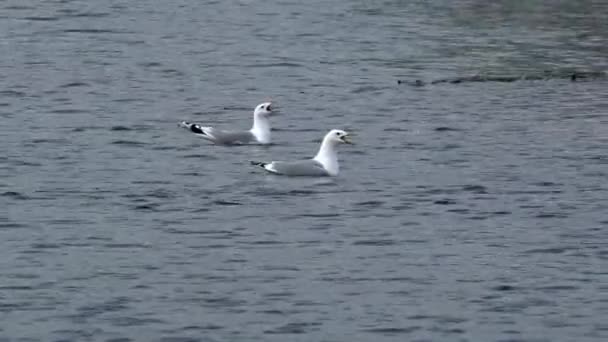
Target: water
<point>465,212</point>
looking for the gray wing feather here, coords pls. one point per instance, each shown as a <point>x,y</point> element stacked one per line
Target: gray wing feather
<point>308,167</point>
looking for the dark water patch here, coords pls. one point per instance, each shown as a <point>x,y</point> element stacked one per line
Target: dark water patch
<point>384,242</point>
<point>263,242</point>
<point>19,7</point>
<point>321,215</point>
<point>395,129</point>
<point>446,129</point>
<point>164,148</point>
<point>146,207</point>
<point>272,312</point>
<point>223,302</point>
<point>128,321</point>
<point>202,157</point>
<point>301,192</point>
<point>227,233</point>
<point>202,327</point>
<point>367,89</point>
<point>546,183</point>
<point>74,85</point>
<point>519,307</point>
<point>294,328</point>
<point>45,245</point>
<point>545,215</point>
<point>128,143</point>
<point>192,174</point>
<point>437,191</point>
<point>150,64</point>
<point>200,210</point>
<point>125,245</point>
<point>600,254</point>
<point>401,207</point>
<point>128,100</point>
<point>14,195</point>
<point>556,288</point>
<point>459,210</point>
<point>40,18</point>
<point>180,339</point>
<point>550,250</point>
<point>226,203</point>
<point>392,331</point>
<point>160,193</point>
<point>69,111</point>
<point>274,65</point>
<point>280,268</point>
<point>12,93</point>
<point>505,287</point>
<point>278,295</point>
<point>150,182</point>
<point>65,100</point>
<point>23,276</point>
<point>173,72</point>
<point>120,128</point>
<point>74,14</point>
<point>12,225</point>
<point>68,221</point>
<point>572,76</point>
<point>50,141</point>
<point>450,331</point>
<point>10,307</point>
<point>274,193</point>
<point>87,128</point>
<point>95,31</point>
<point>447,147</point>
<point>475,188</point>
<point>531,206</point>
<point>445,201</point>
<point>18,288</point>
<point>398,279</point>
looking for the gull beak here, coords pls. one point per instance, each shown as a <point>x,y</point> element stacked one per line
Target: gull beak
<point>271,109</point>
<point>346,139</point>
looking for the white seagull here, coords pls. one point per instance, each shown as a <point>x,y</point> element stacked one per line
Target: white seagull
<point>325,163</point>
<point>259,132</point>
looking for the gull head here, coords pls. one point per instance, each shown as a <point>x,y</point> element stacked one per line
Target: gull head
<point>338,136</point>
<point>263,109</point>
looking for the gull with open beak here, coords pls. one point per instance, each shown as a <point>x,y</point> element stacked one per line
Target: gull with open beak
<point>258,134</point>
<point>325,163</point>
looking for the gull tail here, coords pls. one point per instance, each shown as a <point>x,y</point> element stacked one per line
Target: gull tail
<point>258,163</point>
<point>266,166</point>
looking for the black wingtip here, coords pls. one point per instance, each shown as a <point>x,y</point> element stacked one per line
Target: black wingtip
<point>257,163</point>
<point>196,129</point>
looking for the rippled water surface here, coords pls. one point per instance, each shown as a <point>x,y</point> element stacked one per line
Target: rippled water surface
<point>465,212</point>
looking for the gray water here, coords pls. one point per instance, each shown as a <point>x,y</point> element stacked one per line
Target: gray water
<point>465,212</point>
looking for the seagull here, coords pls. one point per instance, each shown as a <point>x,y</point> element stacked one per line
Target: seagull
<point>259,132</point>
<point>325,163</point>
